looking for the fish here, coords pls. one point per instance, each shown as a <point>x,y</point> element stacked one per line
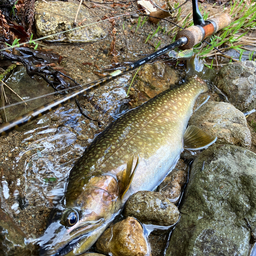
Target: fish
<point>134,153</point>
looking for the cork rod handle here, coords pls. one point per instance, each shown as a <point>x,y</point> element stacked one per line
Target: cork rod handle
<point>196,34</point>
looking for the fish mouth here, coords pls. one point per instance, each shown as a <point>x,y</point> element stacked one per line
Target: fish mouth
<point>69,246</point>
<point>65,247</point>
<point>72,241</point>
<point>59,241</point>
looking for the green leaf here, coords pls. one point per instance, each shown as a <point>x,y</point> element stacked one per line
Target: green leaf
<point>158,44</point>
<point>138,24</point>
<point>50,180</point>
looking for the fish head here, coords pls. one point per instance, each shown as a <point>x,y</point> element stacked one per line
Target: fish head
<point>76,228</point>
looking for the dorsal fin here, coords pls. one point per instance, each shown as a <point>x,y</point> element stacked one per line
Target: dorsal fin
<point>128,175</point>
<point>196,139</point>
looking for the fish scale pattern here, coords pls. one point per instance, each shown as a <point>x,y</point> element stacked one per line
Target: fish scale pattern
<point>140,131</point>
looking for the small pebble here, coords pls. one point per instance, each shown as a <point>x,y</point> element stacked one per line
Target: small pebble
<point>55,118</point>
<point>135,15</point>
<point>82,137</point>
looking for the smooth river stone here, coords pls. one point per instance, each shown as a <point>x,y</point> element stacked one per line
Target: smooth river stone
<point>151,208</point>
<point>224,121</point>
<point>124,238</point>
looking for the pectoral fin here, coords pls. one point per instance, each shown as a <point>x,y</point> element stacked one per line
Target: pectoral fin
<point>196,139</point>
<point>128,175</point>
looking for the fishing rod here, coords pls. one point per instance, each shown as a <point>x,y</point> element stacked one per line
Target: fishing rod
<point>186,39</point>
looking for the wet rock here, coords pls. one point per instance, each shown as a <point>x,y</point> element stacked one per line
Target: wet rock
<point>156,78</point>
<point>238,82</point>
<point>11,237</point>
<point>220,194</point>
<point>151,208</point>
<point>172,185</point>
<point>56,17</point>
<point>55,118</point>
<point>158,241</point>
<point>252,126</point>
<point>124,238</point>
<point>82,137</point>
<point>224,121</point>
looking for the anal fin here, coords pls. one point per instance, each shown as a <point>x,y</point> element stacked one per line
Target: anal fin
<point>196,139</point>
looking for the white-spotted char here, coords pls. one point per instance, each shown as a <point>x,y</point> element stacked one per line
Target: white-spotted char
<point>134,153</point>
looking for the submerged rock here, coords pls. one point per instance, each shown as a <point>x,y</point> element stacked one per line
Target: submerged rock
<point>158,240</point>
<point>219,196</point>
<point>27,88</point>
<point>11,237</point>
<point>151,208</point>
<point>124,238</point>
<point>156,78</point>
<point>238,82</point>
<point>57,17</point>
<point>224,121</point>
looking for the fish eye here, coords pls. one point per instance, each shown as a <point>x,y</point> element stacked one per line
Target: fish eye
<point>70,218</point>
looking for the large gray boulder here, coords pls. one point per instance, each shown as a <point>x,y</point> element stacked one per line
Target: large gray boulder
<point>238,82</point>
<point>224,121</point>
<point>55,21</point>
<point>220,195</point>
